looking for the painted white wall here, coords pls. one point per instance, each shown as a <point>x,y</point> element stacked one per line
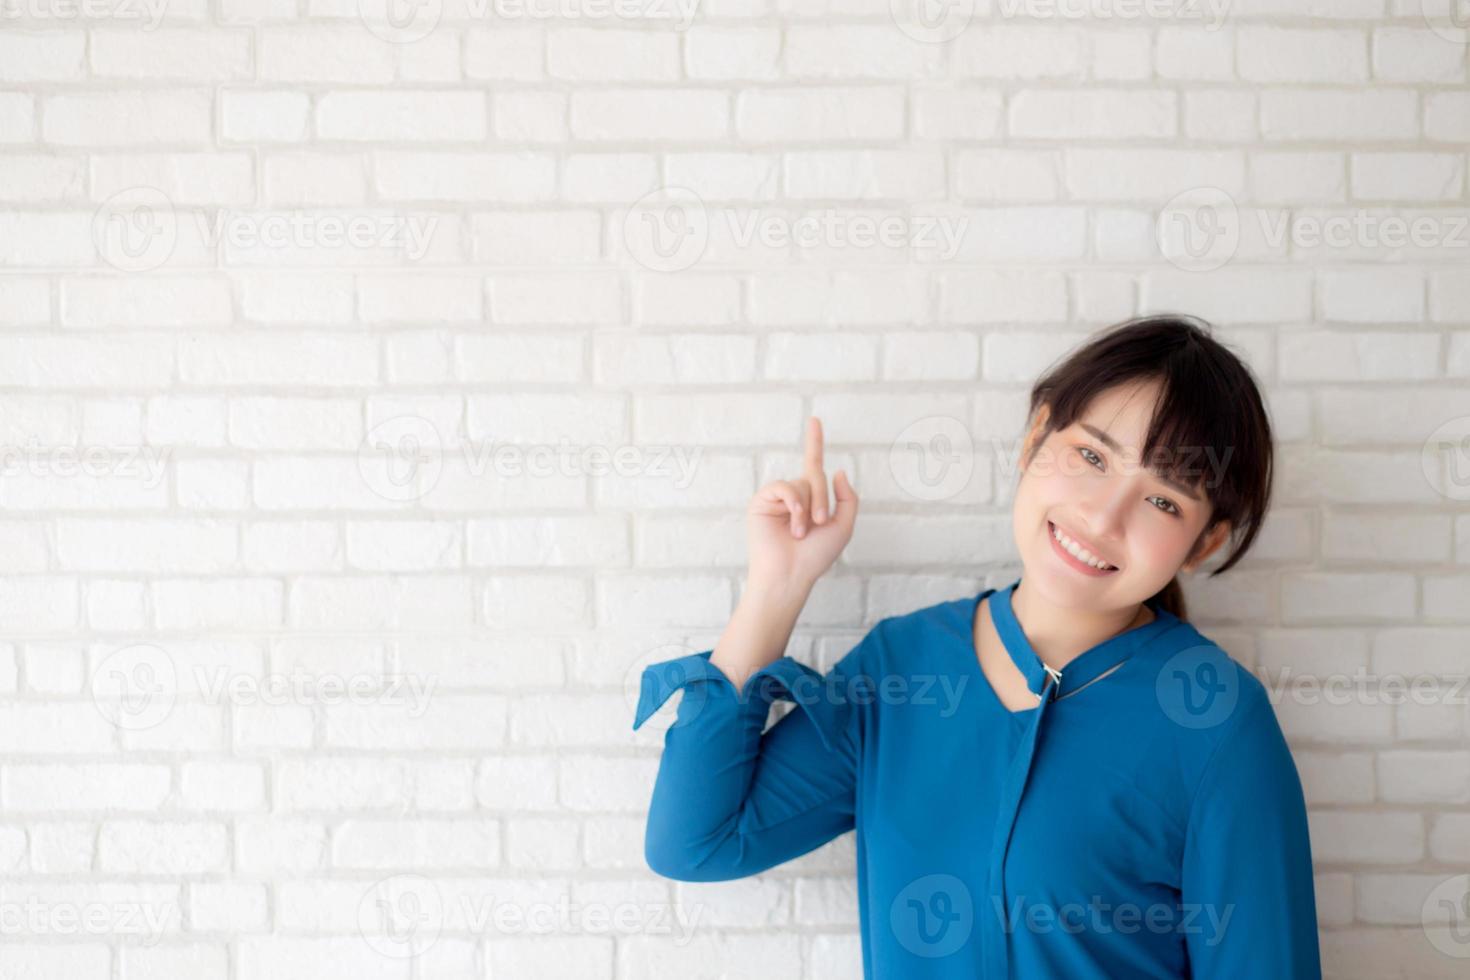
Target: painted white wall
<point>450,347</point>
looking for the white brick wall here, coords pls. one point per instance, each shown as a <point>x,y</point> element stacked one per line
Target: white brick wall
<point>304,615</point>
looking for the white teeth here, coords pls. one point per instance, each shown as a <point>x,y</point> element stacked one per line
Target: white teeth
<point>1077,551</point>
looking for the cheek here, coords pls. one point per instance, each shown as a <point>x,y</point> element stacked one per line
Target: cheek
<point>1161,541</point>
<point>1063,479</point>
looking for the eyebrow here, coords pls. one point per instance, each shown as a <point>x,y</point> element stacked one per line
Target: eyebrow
<point>1112,444</point>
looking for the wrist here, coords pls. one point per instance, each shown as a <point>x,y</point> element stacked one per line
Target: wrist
<point>775,596</point>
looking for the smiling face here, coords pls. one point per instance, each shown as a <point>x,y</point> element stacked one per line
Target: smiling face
<point>1087,482</point>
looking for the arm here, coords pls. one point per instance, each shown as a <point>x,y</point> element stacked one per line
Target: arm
<point>1247,876</point>
<point>730,801</point>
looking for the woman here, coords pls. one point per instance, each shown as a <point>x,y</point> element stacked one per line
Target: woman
<point>1105,793</point>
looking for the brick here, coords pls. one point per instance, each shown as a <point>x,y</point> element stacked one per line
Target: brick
<point>128,118</point>
<point>185,55</point>
<point>444,116</point>
<point>1346,116</point>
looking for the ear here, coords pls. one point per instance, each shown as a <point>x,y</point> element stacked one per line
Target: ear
<point>1212,541</point>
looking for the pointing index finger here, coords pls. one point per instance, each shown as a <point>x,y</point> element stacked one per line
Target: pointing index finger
<point>814,444</point>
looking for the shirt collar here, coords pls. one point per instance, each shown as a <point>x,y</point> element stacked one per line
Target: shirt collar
<point>1086,666</point>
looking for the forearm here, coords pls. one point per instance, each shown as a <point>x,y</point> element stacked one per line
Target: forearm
<point>759,630</point>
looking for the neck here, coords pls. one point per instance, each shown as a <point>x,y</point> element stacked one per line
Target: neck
<point>1060,634</point>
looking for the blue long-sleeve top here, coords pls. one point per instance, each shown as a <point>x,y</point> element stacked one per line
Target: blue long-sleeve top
<point>1145,819</point>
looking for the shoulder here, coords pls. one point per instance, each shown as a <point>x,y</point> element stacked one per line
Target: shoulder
<point>1225,719</point>
<point>918,631</point>
<point>948,616</point>
<point>1206,697</point>
<point>923,638</point>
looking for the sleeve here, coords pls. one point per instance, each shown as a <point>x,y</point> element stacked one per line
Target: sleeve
<point>1247,889</point>
<point>731,800</point>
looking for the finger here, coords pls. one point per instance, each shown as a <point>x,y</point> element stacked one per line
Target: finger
<point>813,454</point>
<point>803,492</point>
<point>789,495</point>
<point>818,484</point>
<point>847,501</point>
<point>814,470</point>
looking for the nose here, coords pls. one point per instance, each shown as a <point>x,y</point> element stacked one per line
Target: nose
<point>1105,512</point>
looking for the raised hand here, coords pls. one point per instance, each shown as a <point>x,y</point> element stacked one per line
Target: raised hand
<point>793,533</point>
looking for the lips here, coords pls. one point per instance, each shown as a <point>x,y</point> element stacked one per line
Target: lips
<point>1052,527</point>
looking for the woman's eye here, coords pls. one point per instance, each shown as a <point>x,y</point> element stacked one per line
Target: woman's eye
<point>1169,506</point>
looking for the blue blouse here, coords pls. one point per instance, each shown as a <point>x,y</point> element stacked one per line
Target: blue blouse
<point>1145,819</point>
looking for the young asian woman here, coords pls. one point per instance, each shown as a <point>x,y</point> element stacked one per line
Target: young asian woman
<point>1058,777</point>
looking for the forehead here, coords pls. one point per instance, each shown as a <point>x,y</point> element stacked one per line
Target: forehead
<point>1120,416</point>
<point>1124,411</point>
